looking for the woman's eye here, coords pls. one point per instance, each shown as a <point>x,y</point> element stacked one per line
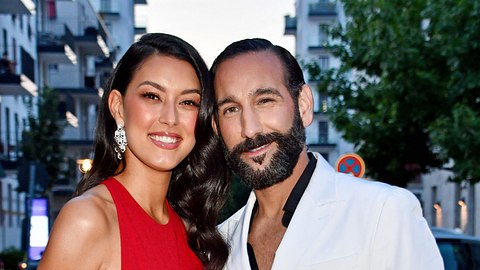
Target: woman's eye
<point>191,103</point>
<point>151,96</point>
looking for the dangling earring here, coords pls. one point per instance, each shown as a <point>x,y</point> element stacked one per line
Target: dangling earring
<point>121,139</point>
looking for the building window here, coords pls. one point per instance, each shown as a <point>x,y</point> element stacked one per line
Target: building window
<point>322,132</point>
<point>2,213</point>
<point>323,101</point>
<point>436,218</point>
<point>322,35</point>
<point>51,10</point>
<point>10,206</point>
<point>20,20</point>
<point>19,220</point>
<point>5,42</point>
<point>324,62</point>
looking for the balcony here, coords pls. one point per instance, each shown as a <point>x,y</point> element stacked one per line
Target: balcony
<point>109,8</point>
<point>322,9</point>
<point>318,49</point>
<point>17,7</point>
<point>290,25</point>
<point>55,48</point>
<point>92,42</point>
<point>20,84</point>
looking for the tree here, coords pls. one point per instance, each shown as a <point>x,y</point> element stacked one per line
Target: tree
<point>407,92</point>
<point>42,142</point>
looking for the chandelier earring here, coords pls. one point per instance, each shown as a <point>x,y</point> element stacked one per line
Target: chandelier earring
<point>121,139</point>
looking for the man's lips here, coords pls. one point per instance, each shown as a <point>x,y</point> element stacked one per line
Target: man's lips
<point>258,151</point>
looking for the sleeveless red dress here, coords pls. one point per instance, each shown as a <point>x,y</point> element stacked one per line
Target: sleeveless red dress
<point>146,244</point>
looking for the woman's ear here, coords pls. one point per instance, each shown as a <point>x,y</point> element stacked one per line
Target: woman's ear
<point>115,104</point>
<point>305,105</point>
<point>214,126</point>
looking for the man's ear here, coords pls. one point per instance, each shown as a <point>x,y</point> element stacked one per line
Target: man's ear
<point>305,105</point>
<point>115,104</point>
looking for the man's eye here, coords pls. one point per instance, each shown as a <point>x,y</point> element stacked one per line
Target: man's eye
<point>230,110</point>
<point>264,101</point>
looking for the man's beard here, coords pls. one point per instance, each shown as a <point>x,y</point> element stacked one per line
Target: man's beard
<point>282,163</point>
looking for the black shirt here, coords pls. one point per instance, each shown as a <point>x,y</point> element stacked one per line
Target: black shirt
<point>290,206</point>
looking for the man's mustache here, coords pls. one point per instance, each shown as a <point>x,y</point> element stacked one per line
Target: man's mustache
<point>257,141</point>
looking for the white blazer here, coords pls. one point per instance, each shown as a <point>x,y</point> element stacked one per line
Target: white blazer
<point>343,222</point>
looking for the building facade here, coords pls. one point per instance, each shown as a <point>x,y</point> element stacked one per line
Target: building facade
<point>308,24</point>
<point>72,48</point>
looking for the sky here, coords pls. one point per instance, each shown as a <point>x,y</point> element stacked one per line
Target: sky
<point>211,25</point>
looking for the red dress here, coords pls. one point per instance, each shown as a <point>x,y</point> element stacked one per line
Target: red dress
<point>146,244</point>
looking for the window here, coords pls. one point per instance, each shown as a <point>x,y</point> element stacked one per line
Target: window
<point>323,102</point>
<point>322,34</point>
<point>5,43</point>
<point>2,214</point>
<point>324,62</point>
<point>51,10</point>
<point>20,20</point>
<point>19,220</point>
<point>10,206</point>
<point>322,132</point>
<point>7,125</point>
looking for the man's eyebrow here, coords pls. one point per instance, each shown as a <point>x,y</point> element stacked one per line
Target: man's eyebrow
<point>257,92</point>
<point>161,88</point>
<point>267,91</point>
<point>225,100</point>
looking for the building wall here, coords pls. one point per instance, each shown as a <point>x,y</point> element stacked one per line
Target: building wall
<point>321,134</point>
<point>12,212</point>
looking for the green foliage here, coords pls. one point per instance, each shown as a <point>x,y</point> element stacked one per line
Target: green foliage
<point>11,257</point>
<point>237,198</point>
<point>42,142</point>
<point>408,89</point>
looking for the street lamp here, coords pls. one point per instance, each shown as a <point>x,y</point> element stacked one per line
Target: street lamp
<point>84,165</point>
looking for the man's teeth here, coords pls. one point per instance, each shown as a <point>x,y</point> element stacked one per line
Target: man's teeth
<point>164,139</point>
<point>258,148</point>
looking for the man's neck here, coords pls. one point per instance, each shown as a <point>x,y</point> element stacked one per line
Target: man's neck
<point>272,199</point>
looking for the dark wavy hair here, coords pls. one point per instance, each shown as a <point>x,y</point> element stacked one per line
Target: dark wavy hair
<point>293,75</point>
<point>200,183</point>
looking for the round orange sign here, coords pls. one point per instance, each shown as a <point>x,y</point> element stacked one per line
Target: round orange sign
<point>351,163</point>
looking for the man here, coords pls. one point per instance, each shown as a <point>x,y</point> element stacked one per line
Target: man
<point>301,213</point>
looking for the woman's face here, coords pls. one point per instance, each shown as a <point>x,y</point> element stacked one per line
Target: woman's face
<point>159,111</point>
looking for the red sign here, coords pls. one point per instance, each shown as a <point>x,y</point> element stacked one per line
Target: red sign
<point>351,163</point>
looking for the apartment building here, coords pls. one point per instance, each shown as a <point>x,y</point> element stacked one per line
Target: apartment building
<point>70,46</point>
<point>310,39</point>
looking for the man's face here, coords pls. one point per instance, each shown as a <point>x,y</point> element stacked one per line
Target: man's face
<point>259,122</point>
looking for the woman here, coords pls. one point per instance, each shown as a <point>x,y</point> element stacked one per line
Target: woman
<point>148,202</point>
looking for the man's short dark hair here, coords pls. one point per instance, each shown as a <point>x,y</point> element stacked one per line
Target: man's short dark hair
<point>294,79</point>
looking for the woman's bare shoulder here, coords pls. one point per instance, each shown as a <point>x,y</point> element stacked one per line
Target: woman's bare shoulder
<point>85,228</point>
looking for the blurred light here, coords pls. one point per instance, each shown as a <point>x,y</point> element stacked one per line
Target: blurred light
<point>84,165</point>
<point>462,203</point>
<point>22,265</point>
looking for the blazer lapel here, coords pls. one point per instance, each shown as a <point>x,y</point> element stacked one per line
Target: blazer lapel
<point>310,217</point>
<point>238,231</point>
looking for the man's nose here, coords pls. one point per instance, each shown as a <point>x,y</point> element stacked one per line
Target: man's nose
<point>251,124</point>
